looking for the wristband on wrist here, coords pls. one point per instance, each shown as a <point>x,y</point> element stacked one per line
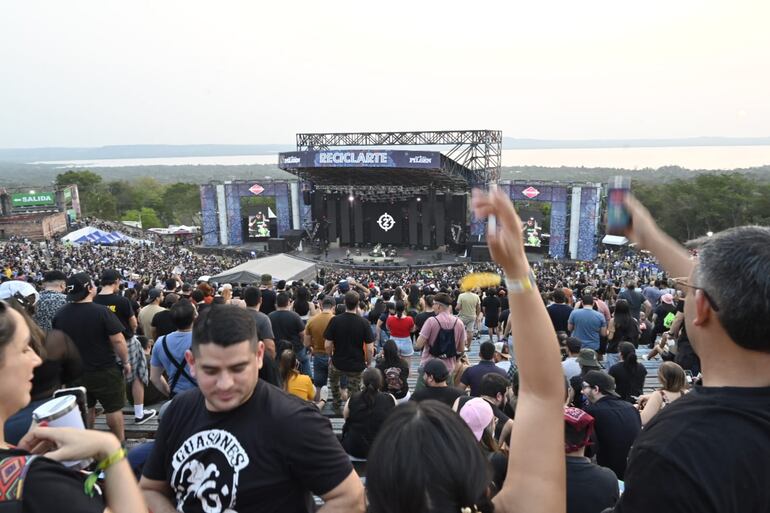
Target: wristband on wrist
<point>521,285</point>
<point>101,466</point>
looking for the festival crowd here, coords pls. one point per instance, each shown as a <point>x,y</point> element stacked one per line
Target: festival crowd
<point>556,415</point>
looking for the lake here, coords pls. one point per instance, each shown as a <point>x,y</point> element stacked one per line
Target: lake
<point>690,157</point>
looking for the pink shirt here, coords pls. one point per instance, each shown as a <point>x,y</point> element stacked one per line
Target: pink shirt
<point>430,331</point>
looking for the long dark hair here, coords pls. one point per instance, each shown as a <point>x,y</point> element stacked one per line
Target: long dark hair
<point>390,353</point>
<point>287,366</point>
<point>439,480</point>
<point>377,311</point>
<point>628,352</point>
<point>372,383</point>
<point>626,327</point>
<point>400,309</point>
<point>414,297</point>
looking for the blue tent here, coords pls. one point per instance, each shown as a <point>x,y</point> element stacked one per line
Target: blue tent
<point>91,235</point>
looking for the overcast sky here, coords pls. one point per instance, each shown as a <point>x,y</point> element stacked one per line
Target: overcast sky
<point>92,73</point>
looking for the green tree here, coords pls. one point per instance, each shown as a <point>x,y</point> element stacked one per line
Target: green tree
<point>180,203</point>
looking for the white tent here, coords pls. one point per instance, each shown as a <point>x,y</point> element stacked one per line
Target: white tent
<point>280,267</point>
<point>614,240</point>
<point>92,235</point>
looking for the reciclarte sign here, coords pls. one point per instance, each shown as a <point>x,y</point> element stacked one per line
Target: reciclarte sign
<point>40,199</point>
<point>360,158</point>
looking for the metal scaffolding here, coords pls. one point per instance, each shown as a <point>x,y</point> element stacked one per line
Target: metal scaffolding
<point>477,150</point>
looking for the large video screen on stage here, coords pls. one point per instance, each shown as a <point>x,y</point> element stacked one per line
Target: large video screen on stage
<point>259,219</point>
<point>534,229</point>
<point>385,222</point>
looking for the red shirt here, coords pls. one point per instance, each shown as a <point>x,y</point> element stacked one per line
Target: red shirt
<point>400,327</point>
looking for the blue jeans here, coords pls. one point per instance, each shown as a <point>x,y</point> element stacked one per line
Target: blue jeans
<point>610,359</point>
<point>320,369</point>
<point>304,362</point>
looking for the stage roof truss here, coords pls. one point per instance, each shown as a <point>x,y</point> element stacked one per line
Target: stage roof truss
<point>479,151</point>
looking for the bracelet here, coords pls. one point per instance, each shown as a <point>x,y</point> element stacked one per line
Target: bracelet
<point>521,285</point>
<point>102,465</point>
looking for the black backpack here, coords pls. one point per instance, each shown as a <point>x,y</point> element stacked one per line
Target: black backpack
<point>444,346</point>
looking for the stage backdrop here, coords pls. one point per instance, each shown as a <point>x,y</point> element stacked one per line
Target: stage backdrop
<point>385,222</point>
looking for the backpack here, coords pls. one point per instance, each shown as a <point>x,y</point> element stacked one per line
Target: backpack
<point>444,346</point>
<point>393,380</point>
<point>668,320</point>
<point>13,471</point>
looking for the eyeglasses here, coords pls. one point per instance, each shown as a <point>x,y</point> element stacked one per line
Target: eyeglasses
<point>682,284</point>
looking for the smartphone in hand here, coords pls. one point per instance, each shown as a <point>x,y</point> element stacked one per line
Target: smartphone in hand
<point>618,218</point>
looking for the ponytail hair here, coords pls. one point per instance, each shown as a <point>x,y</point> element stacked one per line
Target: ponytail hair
<point>400,308</point>
<point>287,366</point>
<point>372,382</point>
<point>628,352</point>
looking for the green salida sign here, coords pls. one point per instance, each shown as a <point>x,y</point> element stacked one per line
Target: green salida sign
<point>39,199</point>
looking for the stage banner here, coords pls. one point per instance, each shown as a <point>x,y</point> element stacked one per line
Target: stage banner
<point>360,158</point>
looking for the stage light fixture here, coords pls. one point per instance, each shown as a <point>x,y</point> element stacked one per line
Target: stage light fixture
<point>351,198</point>
<point>419,198</point>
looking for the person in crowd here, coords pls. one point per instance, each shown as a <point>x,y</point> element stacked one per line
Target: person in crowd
<point>267,293</point>
<point>442,337</point>
<point>588,361</point>
<point>472,376</point>
<point>436,386</point>
<point>636,300</point>
<point>293,382</point>
<point>673,386</point>
<point>365,413</point>
<point>288,326</point>
<point>61,365</point>
<point>382,332</point>
<point>571,365</point>
<point>314,338</point>
<point>491,308</point>
<point>162,322</point>
<point>629,373</point>
<point>147,313</point>
<point>51,299</point>
<point>401,327</point>
<point>121,307</point>
<point>665,313</point>
<point>274,441</point>
<point>590,487</point>
<point>456,480</point>
<point>468,309</point>
<point>622,328</point>
<point>559,311</point>
<point>653,293</point>
<point>495,390</point>
<point>252,298</point>
<point>617,422</point>
<point>479,417</point>
<point>395,372</point>
<point>31,471</point>
<point>715,427</point>
<point>586,324</point>
<point>168,353</point>
<point>349,340</point>
<point>98,335</point>
<point>427,312</point>
<point>303,305</point>
<point>646,331</point>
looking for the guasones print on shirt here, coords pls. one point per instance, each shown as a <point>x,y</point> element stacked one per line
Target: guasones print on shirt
<point>206,468</point>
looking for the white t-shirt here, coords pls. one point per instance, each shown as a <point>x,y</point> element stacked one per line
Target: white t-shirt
<point>571,367</point>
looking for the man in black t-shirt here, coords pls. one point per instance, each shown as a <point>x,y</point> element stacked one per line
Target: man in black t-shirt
<point>436,386</point>
<point>162,322</point>
<point>98,335</point>
<point>121,307</point>
<point>350,341</point>
<point>236,443</point>
<point>268,294</point>
<point>708,451</point>
<point>559,311</point>
<point>288,327</point>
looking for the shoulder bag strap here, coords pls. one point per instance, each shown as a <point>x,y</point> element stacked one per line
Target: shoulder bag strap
<point>180,370</point>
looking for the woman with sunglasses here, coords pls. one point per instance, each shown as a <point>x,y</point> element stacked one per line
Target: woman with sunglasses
<point>41,482</point>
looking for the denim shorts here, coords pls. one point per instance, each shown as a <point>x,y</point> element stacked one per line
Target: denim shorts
<point>405,347</point>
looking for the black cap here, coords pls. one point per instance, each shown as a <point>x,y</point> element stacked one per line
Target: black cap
<point>153,295</point>
<point>110,276</point>
<point>78,286</point>
<point>54,276</point>
<point>437,369</point>
<point>604,381</point>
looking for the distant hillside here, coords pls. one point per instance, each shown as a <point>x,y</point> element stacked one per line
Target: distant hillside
<point>27,155</point>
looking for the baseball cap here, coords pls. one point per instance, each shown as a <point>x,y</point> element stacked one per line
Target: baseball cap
<point>78,286</point>
<point>153,295</point>
<point>437,369</point>
<point>477,413</point>
<point>580,422</point>
<point>110,276</point>
<point>602,380</point>
<point>587,358</point>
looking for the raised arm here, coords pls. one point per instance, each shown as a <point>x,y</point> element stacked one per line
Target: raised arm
<point>536,465</point>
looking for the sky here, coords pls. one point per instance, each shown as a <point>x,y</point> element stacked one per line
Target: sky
<point>103,72</point>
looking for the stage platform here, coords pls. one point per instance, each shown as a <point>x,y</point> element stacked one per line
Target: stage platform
<point>359,257</point>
